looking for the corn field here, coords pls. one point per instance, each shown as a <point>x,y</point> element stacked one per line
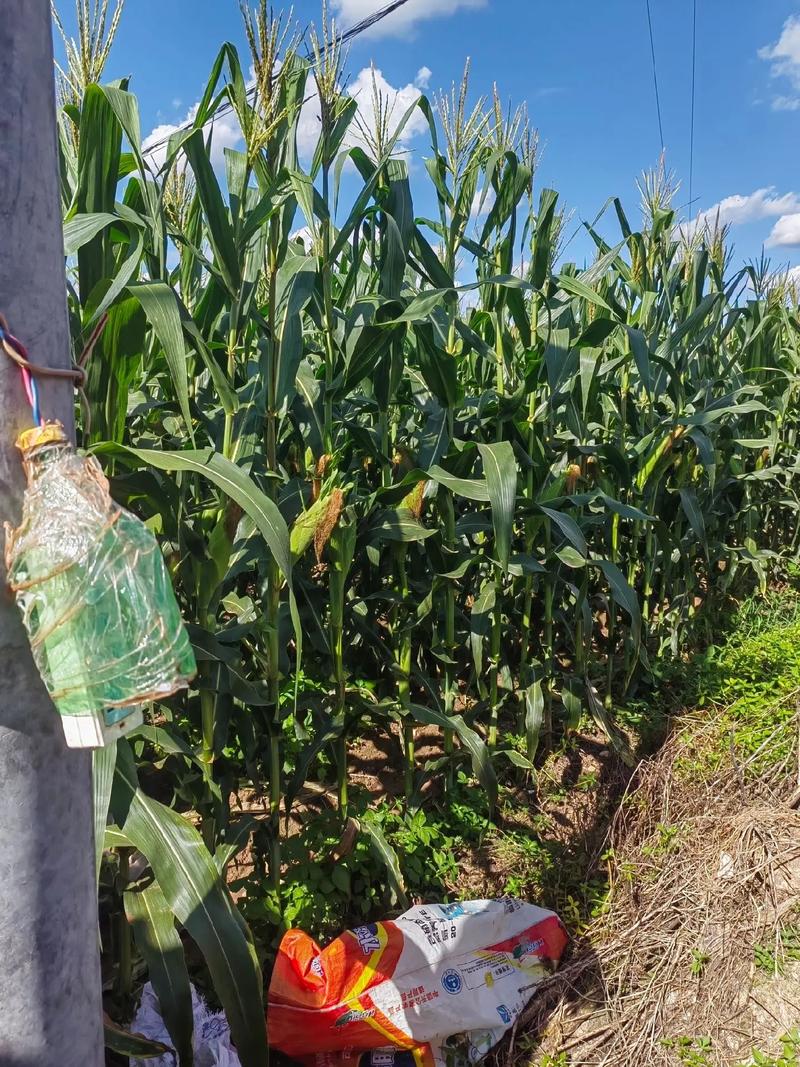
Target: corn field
<point>390,498</point>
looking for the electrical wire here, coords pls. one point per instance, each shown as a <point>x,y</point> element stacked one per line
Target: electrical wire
<point>372,20</point>
<point>694,81</point>
<point>342,38</point>
<point>655,73</point>
<point>16,351</point>
<point>35,409</point>
<point>26,381</point>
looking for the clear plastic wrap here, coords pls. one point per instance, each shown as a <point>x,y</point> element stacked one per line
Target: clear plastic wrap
<point>94,592</point>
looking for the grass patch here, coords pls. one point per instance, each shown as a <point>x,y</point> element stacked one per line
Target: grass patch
<point>696,1052</point>
<point>752,683</point>
<point>772,959</point>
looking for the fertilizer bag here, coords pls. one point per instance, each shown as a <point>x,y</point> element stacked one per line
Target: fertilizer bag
<point>411,984</point>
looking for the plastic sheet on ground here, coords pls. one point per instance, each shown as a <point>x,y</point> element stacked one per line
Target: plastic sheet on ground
<point>212,1037</point>
<point>439,985</point>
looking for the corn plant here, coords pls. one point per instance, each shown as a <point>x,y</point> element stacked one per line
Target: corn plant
<point>388,497</point>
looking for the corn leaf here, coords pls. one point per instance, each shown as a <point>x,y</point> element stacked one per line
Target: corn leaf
<point>481,760</point>
<point>157,939</point>
<point>500,468</point>
<point>199,900</point>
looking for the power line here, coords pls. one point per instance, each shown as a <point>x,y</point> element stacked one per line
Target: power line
<point>694,80</point>
<point>372,20</point>
<point>655,74</point>
<point>342,38</point>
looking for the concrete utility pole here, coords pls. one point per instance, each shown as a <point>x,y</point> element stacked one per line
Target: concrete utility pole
<point>50,997</point>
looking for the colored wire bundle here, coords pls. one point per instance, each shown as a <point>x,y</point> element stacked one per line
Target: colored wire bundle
<point>15,349</point>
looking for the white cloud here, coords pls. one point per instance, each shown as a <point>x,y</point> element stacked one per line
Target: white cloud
<point>785,232</point>
<point>361,88</point>
<point>786,103</point>
<point>549,90</point>
<point>154,151</point>
<point>308,125</point>
<point>784,57</point>
<point>423,78</point>
<point>762,204</point>
<point>305,235</point>
<point>785,53</point>
<point>405,18</point>
<point>225,131</point>
<point>370,81</point>
<point>482,203</point>
<point>794,275</point>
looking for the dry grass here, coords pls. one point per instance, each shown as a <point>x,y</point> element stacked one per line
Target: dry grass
<point>703,870</point>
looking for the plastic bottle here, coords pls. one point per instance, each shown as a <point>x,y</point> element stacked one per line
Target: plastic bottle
<point>95,595</point>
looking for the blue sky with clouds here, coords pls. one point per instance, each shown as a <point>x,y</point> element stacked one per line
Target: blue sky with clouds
<point>584,69</point>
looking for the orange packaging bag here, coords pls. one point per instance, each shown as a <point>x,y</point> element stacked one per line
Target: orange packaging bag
<point>411,984</point>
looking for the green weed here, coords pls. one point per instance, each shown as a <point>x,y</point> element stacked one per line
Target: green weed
<point>772,959</point>
<point>789,1056</point>
<point>699,961</point>
<point>691,1051</point>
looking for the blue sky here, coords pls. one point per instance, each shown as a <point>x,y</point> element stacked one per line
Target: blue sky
<point>585,70</point>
